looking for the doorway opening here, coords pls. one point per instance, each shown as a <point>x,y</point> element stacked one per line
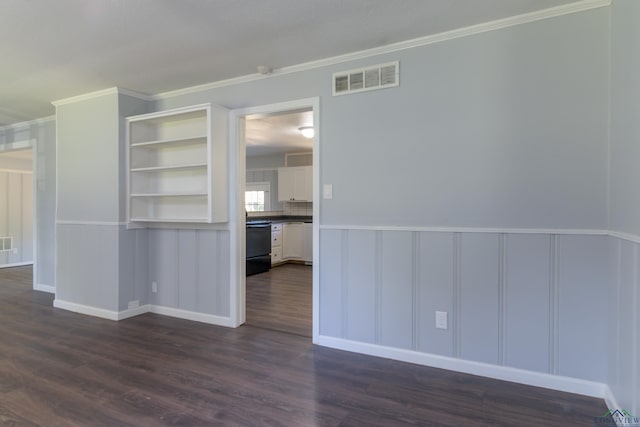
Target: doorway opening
<point>277,181</point>
<point>17,242</point>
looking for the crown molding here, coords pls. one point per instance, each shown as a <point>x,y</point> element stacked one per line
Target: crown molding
<point>103,92</point>
<point>567,9</point>
<point>28,123</point>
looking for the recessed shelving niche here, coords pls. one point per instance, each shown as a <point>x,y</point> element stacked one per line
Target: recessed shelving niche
<point>177,166</point>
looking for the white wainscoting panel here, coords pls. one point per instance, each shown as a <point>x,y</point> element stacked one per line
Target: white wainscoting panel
<point>396,284</point>
<point>624,324</point>
<point>479,298</point>
<point>191,269</point>
<point>435,264</point>
<point>527,301</point>
<point>534,301</point>
<point>581,267</point>
<point>362,294</point>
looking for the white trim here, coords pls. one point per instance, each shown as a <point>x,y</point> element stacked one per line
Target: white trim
<point>98,223</point>
<point>210,319</point>
<point>103,92</point>
<point>594,232</point>
<point>44,288</point>
<point>85,309</point>
<point>625,236</point>
<point>16,264</point>
<point>28,123</point>
<point>131,312</point>
<point>237,161</point>
<point>553,12</point>
<point>503,373</point>
<point>147,308</point>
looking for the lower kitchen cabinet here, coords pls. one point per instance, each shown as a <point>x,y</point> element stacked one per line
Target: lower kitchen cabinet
<point>292,234</point>
<point>307,242</point>
<point>276,244</point>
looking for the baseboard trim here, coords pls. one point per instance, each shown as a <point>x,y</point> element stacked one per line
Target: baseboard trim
<point>16,264</point>
<point>132,312</point>
<point>85,309</point>
<point>147,308</point>
<point>44,288</point>
<point>504,373</point>
<point>611,401</point>
<point>210,319</point>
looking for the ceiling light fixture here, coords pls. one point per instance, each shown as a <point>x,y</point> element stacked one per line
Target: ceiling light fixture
<point>307,131</point>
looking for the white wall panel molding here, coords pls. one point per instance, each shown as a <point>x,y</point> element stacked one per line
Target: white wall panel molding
<point>521,376</point>
<point>525,18</point>
<point>553,305</point>
<point>559,231</point>
<point>457,255</point>
<point>502,295</point>
<point>507,295</point>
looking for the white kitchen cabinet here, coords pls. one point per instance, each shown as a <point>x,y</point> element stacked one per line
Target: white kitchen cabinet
<point>307,243</point>
<point>292,245</point>
<point>177,166</point>
<point>276,244</point>
<point>295,184</point>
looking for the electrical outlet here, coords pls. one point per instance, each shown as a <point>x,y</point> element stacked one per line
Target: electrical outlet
<point>441,320</point>
<point>154,287</point>
<point>134,304</point>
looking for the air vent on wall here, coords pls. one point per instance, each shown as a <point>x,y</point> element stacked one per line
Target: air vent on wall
<point>6,244</point>
<point>370,78</point>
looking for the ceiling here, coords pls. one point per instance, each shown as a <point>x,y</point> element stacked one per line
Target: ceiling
<point>53,50</point>
<point>277,133</point>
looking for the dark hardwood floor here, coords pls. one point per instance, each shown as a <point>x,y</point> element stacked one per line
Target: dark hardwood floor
<point>281,299</point>
<point>59,368</point>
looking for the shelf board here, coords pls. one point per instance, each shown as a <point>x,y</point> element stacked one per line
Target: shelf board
<point>171,167</point>
<point>173,141</point>
<point>180,194</point>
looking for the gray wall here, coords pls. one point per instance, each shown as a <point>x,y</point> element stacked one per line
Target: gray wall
<point>624,292</point>
<point>503,129</point>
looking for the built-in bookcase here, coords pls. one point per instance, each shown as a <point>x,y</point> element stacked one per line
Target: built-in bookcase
<point>177,166</point>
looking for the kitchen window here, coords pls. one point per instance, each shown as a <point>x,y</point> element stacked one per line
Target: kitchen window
<point>256,197</point>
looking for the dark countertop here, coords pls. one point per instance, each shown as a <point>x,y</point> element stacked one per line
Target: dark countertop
<point>279,219</point>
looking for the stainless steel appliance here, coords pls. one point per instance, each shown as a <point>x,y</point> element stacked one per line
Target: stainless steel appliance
<point>258,247</point>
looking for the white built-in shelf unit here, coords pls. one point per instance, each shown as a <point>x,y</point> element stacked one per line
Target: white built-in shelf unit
<point>177,166</point>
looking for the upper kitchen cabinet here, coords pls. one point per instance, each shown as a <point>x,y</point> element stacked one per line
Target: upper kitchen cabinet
<point>177,166</point>
<point>295,184</point>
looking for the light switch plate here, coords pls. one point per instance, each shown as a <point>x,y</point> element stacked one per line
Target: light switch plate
<point>327,191</point>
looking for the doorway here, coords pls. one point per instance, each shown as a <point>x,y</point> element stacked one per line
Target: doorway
<point>17,242</point>
<point>271,299</point>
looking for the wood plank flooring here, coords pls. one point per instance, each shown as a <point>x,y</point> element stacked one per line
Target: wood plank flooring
<point>281,299</point>
<point>59,368</point>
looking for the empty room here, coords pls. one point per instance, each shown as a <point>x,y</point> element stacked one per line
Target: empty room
<point>306,212</point>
